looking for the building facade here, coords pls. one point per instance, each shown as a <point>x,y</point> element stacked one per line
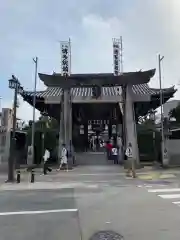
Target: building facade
<point>5,136</point>
<point>83,102</point>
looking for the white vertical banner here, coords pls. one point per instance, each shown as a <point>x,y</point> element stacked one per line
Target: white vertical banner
<point>66,106</point>
<point>65,58</point>
<point>116,56</point>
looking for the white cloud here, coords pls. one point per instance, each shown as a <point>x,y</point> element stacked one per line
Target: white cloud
<point>92,52</point>
<point>24,111</point>
<point>148,28</point>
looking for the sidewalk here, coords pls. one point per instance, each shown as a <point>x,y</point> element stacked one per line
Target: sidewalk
<point>98,173</point>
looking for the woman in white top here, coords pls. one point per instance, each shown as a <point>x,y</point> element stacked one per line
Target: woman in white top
<point>64,157</point>
<point>130,161</point>
<point>119,144</point>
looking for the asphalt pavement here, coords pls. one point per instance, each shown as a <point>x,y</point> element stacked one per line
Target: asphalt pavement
<point>77,204</point>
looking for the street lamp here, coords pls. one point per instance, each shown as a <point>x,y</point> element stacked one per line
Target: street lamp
<point>152,115</point>
<point>152,118</point>
<point>44,114</point>
<point>160,58</point>
<point>35,60</point>
<point>18,89</point>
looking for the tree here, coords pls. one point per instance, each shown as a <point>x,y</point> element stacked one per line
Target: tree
<point>175,113</point>
<point>149,119</point>
<point>50,128</point>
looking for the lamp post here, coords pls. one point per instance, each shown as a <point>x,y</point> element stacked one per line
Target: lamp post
<point>35,60</point>
<point>152,117</point>
<point>160,58</point>
<point>13,84</point>
<point>44,114</point>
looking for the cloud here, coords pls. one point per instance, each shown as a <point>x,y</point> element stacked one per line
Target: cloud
<point>33,28</point>
<point>148,28</point>
<point>24,111</point>
<point>92,52</point>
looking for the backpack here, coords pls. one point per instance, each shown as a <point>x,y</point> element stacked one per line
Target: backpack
<point>67,153</point>
<point>114,151</point>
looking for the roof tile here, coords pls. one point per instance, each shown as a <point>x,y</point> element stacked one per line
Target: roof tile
<point>87,92</point>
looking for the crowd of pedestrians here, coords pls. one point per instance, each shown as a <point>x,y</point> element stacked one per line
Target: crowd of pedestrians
<point>117,153</point>
<point>114,150</point>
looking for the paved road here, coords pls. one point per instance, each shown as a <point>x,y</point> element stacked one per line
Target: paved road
<point>90,200</point>
<point>33,224</point>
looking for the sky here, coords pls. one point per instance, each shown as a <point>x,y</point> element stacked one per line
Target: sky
<point>34,28</point>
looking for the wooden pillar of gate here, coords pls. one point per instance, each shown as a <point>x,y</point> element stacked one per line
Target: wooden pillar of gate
<point>67,120</point>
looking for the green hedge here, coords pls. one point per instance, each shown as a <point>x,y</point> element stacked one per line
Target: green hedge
<point>149,149</point>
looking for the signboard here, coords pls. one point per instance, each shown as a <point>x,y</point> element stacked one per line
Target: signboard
<point>65,58</point>
<point>165,160</point>
<point>81,129</point>
<point>113,129</point>
<point>90,122</point>
<point>30,155</point>
<point>116,56</point>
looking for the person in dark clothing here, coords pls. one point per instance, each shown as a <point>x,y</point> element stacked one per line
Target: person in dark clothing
<point>46,157</point>
<point>114,153</point>
<point>108,150</point>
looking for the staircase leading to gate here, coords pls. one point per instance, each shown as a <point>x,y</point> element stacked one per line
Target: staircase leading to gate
<point>91,158</point>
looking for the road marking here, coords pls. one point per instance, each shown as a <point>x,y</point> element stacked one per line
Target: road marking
<point>151,176</point>
<point>38,212</point>
<point>99,174</point>
<point>145,177</point>
<point>170,196</point>
<point>164,190</point>
<point>176,202</point>
<point>164,176</point>
<point>167,193</point>
<point>46,185</point>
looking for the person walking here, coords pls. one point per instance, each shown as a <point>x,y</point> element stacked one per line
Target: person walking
<point>108,150</point>
<point>114,153</point>
<point>64,158</point>
<point>120,147</point>
<point>45,158</point>
<point>130,162</point>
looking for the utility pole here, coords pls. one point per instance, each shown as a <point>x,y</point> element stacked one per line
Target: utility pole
<point>123,88</point>
<point>35,60</point>
<point>13,84</point>
<point>160,58</point>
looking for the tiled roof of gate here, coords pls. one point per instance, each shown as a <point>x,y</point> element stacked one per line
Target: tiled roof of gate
<point>140,89</point>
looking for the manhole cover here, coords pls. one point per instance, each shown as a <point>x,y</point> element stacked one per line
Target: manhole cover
<point>106,235</point>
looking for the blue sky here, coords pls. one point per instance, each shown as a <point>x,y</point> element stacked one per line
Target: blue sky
<point>34,28</point>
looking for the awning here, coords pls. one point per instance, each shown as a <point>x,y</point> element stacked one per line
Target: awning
<point>103,79</point>
<point>75,92</point>
<point>140,89</point>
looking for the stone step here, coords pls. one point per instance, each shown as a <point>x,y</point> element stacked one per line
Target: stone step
<point>91,158</point>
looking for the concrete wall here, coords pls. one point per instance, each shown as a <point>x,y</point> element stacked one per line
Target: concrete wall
<point>173,146</point>
<point>5,131</point>
<point>92,158</point>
